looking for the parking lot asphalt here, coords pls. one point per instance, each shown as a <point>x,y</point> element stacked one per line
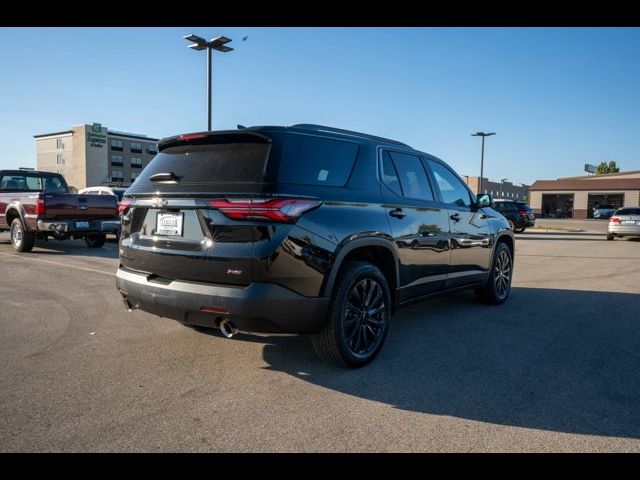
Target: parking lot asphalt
<point>553,369</point>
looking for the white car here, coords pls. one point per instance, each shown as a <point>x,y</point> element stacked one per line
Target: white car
<point>118,192</point>
<point>625,222</point>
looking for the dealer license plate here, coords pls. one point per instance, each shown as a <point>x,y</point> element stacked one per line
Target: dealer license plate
<point>169,224</point>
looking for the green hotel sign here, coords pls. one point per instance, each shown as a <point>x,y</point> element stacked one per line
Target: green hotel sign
<point>95,136</point>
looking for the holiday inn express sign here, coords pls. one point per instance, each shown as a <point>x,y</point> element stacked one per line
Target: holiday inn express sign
<point>95,136</point>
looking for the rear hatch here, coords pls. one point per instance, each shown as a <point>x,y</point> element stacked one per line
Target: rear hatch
<point>194,212</point>
<point>59,206</point>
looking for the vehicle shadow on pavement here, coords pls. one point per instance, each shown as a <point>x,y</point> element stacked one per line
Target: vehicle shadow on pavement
<point>559,360</point>
<point>69,247</point>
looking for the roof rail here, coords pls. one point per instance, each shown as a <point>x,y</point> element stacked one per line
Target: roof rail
<point>322,128</point>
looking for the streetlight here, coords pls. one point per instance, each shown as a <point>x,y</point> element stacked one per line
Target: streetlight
<point>217,43</point>
<point>482,134</point>
<point>501,182</point>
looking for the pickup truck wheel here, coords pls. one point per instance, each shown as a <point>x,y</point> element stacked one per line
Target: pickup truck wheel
<point>498,285</point>
<point>358,318</point>
<point>21,239</point>
<point>95,241</point>
<point>609,236</point>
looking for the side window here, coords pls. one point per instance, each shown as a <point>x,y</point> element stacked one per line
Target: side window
<point>389,174</point>
<point>33,183</point>
<point>412,176</point>
<point>53,185</point>
<point>20,182</point>
<point>310,160</point>
<point>451,188</point>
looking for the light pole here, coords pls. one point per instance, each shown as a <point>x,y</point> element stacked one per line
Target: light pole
<point>217,43</point>
<point>501,182</point>
<point>482,134</point>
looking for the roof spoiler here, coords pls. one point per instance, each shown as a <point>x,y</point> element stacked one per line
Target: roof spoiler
<point>210,138</point>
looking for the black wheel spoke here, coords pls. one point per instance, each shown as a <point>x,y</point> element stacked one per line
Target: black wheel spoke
<point>364,316</point>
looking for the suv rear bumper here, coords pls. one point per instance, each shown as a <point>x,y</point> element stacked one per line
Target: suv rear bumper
<point>259,307</point>
<point>69,226</point>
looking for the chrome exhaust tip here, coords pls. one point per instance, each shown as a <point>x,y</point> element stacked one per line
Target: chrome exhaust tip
<point>228,329</point>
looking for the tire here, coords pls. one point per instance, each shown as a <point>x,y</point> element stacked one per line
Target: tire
<point>346,338</point>
<point>21,239</point>
<point>512,226</point>
<point>95,241</point>
<point>415,245</point>
<point>520,230</point>
<point>609,236</point>
<point>496,291</point>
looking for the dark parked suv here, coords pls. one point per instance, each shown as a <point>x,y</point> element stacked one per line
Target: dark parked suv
<point>304,229</point>
<point>518,214</point>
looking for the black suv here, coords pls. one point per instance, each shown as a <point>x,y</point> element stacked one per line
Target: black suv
<point>304,229</point>
<point>518,214</point>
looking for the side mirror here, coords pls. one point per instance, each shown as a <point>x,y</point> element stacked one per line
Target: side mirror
<point>484,200</point>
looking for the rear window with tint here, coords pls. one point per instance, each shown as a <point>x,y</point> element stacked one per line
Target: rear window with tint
<point>218,163</point>
<point>310,160</point>
<point>628,211</point>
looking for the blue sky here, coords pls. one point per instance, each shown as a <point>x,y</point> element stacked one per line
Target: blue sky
<point>557,97</point>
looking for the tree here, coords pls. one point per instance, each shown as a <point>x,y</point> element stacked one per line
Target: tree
<point>604,168</point>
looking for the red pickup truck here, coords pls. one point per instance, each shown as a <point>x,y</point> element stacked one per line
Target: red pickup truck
<point>37,204</point>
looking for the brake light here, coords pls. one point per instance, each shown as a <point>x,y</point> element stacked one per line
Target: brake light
<point>123,205</point>
<point>524,212</point>
<point>192,136</point>
<point>40,209</point>
<point>614,220</point>
<point>277,210</point>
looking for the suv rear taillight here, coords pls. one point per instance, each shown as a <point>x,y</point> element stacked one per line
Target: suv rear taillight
<point>524,213</point>
<point>614,220</point>
<point>277,210</point>
<point>123,205</point>
<point>40,209</point>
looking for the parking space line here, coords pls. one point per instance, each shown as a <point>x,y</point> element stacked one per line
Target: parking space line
<point>38,259</point>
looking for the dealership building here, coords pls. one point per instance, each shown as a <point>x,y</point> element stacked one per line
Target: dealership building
<point>576,197</point>
<point>503,189</point>
<point>93,155</point>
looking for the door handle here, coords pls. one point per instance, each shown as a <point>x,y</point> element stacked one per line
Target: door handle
<point>455,217</point>
<point>398,213</point>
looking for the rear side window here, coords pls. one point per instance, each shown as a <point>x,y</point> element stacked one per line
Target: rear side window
<point>389,174</point>
<point>309,160</point>
<point>413,178</point>
<point>19,182</point>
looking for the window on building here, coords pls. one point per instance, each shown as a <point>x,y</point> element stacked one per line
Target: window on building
<point>134,175</point>
<point>136,162</point>
<point>117,176</point>
<point>117,160</point>
<point>116,145</point>
<point>136,147</point>
<point>152,150</point>
<point>59,144</point>
<point>59,159</point>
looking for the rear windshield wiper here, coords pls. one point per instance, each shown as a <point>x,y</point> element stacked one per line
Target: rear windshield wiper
<point>165,177</point>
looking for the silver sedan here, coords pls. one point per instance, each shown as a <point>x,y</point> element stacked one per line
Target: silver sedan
<point>625,222</point>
